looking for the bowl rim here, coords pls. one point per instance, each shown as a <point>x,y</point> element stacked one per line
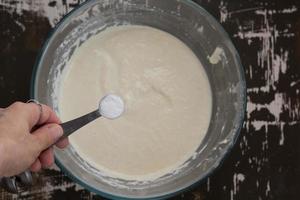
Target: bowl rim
<point>218,162</point>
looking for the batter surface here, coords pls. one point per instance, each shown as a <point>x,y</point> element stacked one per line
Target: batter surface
<point>167,101</point>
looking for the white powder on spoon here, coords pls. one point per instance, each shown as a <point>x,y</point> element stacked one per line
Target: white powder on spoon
<point>111,106</point>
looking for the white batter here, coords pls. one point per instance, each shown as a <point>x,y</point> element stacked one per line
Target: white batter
<point>166,94</point>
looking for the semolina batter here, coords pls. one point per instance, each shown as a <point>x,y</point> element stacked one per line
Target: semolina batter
<point>166,94</point>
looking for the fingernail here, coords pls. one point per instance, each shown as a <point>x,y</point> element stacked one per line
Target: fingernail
<point>56,131</point>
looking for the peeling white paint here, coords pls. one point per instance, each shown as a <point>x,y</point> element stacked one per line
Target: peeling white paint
<point>41,8</point>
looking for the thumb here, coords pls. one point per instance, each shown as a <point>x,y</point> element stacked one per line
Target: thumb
<point>47,135</point>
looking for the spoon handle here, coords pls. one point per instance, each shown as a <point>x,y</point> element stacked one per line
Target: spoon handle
<point>75,124</point>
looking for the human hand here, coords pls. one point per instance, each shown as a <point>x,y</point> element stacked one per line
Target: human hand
<point>27,136</point>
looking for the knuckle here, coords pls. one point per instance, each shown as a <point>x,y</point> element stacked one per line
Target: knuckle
<point>18,105</point>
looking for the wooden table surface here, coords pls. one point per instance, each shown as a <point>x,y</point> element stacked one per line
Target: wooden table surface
<point>264,163</point>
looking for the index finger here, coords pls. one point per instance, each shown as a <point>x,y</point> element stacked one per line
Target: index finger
<point>34,113</point>
<point>41,114</point>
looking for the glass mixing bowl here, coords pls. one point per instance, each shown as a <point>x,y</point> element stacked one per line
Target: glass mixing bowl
<point>197,29</point>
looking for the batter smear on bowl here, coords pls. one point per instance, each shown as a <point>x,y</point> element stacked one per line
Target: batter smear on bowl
<point>166,94</point>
